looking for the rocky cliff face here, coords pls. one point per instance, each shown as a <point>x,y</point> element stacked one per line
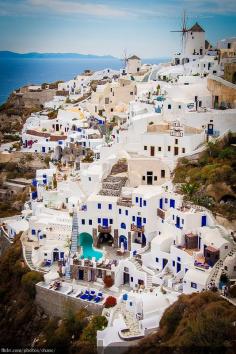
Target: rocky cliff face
<point>18,108</point>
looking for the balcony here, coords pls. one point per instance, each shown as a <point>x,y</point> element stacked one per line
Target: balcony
<point>161,213</point>
<point>104,229</point>
<point>137,228</point>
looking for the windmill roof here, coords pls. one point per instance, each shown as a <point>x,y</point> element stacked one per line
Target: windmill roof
<point>134,57</point>
<point>207,44</point>
<point>196,28</point>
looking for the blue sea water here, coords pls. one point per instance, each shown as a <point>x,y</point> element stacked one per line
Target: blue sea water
<point>15,73</point>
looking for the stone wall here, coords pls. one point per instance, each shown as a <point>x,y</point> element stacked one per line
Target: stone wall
<point>230,72</point>
<point>5,243</point>
<point>55,303</point>
<point>225,91</point>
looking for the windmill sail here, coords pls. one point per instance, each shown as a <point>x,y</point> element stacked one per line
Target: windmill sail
<point>183,31</point>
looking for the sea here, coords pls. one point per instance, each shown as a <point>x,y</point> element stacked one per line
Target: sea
<point>15,73</point>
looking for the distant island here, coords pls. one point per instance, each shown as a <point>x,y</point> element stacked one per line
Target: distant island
<point>35,55</point>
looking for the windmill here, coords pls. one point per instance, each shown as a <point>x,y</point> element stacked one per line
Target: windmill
<point>184,31</point>
<point>124,59</point>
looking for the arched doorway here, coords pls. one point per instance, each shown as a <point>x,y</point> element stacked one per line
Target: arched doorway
<point>123,240</point>
<point>55,255</point>
<point>105,239</point>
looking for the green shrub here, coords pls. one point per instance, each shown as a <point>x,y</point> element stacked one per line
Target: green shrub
<point>90,332</point>
<point>29,280</point>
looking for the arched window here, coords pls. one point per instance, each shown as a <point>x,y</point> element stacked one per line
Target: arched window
<point>122,225</point>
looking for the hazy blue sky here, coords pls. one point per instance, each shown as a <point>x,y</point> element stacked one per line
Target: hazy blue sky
<point>108,26</point>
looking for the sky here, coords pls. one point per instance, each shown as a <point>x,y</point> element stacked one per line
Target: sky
<point>111,27</point>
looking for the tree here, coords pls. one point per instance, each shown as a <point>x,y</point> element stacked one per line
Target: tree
<point>29,280</point>
<point>110,302</point>
<point>89,334</point>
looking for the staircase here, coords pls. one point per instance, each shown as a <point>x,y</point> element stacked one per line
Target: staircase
<point>138,264</point>
<point>28,258</point>
<point>219,267</point>
<point>75,233</point>
<point>111,186</point>
<point>149,281</point>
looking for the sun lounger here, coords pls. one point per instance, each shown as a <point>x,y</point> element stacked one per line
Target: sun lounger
<point>90,297</point>
<point>85,295</point>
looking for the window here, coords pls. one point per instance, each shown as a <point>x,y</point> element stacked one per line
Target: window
<point>99,220</point>
<point>90,179</point>
<point>169,148</point>
<point>155,178</point>
<point>112,109</point>
<point>106,100</point>
<point>99,206</point>
<point>111,221</point>
<point>144,203</point>
<point>176,141</point>
<point>178,259</point>
<point>173,263</point>
<point>110,206</point>
<point>145,147</point>
<point>186,269</point>
<point>144,220</point>
<point>130,303</point>
<point>133,218</point>
<point>169,106</point>
<point>123,226</point>
<point>136,199</point>
<point>131,93</point>
<point>157,259</point>
<point>90,222</point>
<point>173,217</point>
<point>33,232</point>
<point>159,148</point>
<point>226,247</point>
<point>119,211</point>
<point>143,178</point>
<point>179,106</point>
<point>126,213</point>
<point>82,221</point>
<point>183,150</point>
<point>163,173</point>
<point>182,221</point>
<point>131,279</point>
<point>193,285</point>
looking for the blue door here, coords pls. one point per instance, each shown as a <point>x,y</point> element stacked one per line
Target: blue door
<point>140,202</point>
<point>164,262</point>
<point>161,203</point>
<point>43,149</point>
<point>172,203</point>
<point>210,129</point>
<point>139,221</point>
<point>143,240</point>
<point>178,267</point>
<point>105,222</point>
<point>204,219</point>
<point>61,255</point>
<point>124,240</point>
<point>178,222</point>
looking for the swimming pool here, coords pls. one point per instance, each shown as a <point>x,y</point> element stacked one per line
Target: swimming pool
<point>86,243</point>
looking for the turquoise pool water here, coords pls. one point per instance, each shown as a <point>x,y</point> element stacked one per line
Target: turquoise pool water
<point>86,242</point>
